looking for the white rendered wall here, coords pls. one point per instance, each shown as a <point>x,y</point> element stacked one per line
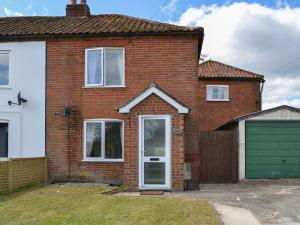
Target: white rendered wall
<point>283,114</point>
<point>26,122</point>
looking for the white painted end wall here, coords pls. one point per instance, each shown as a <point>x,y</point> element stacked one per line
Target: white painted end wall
<point>26,122</point>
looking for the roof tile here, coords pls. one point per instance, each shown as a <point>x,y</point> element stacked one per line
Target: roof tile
<point>96,24</point>
<point>216,70</point>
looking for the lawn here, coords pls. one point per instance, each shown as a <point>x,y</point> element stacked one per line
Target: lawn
<point>62,205</point>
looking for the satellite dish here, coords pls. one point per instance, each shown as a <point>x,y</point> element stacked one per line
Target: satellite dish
<point>67,111</point>
<point>20,99</point>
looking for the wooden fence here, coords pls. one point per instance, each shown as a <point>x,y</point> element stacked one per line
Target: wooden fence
<point>219,156</point>
<point>17,173</point>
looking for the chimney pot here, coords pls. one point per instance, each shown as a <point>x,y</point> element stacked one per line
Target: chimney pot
<point>78,10</point>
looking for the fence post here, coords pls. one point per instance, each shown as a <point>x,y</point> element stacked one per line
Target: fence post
<point>46,170</point>
<point>10,176</point>
<point>38,171</point>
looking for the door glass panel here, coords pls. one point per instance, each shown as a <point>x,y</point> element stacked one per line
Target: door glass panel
<point>154,137</point>
<point>3,140</point>
<point>154,173</point>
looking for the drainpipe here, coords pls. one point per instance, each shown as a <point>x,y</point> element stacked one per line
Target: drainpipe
<point>262,82</point>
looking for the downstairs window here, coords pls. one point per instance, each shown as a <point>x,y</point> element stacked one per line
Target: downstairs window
<point>3,140</point>
<point>103,140</point>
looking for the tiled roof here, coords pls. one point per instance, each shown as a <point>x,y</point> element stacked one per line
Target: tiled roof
<point>96,24</point>
<point>215,70</point>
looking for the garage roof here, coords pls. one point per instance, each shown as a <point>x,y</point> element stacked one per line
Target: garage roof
<point>259,113</point>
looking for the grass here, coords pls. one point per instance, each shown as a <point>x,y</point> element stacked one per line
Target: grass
<point>64,205</point>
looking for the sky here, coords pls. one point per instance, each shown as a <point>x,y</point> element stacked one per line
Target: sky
<point>261,36</point>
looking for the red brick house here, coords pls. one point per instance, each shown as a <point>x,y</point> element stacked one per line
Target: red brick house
<point>136,96</point>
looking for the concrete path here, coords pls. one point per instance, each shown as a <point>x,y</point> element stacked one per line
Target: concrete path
<point>265,202</point>
<point>235,216</point>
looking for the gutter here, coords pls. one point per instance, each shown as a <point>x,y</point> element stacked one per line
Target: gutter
<point>231,78</point>
<point>199,32</point>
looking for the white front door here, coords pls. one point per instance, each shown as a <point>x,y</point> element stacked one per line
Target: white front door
<point>154,149</point>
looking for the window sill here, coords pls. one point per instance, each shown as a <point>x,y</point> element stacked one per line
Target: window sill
<point>217,100</point>
<point>103,160</point>
<point>98,86</point>
<point>4,159</point>
<point>5,87</point>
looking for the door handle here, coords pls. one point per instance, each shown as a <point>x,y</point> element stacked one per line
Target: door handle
<point>154,159</point>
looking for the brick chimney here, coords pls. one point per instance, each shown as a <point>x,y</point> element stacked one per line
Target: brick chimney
<point>76,10</point>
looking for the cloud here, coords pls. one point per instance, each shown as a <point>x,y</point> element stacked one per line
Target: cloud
<point>9,12</point>
<point>170,8</point>
<point>255,37</point>
<point>45,11</point>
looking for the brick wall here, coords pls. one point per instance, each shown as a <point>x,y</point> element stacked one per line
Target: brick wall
<point>171,62</point>
<point>244,98</point>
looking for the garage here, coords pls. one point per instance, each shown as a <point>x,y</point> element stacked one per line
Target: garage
<point>272,149</point>
<point>268,143</point>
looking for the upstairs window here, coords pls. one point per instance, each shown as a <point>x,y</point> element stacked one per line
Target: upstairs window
<point>104,67</point>
<point>4,69</point>
<point>217,93</point>
<point>3,140</point>
<point>103,140</point>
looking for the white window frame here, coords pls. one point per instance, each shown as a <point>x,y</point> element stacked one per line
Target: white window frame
<point>103,68</point>
<point>9,69</point>
<point>218,86</point>
<point>8,122</point>
<point>102,158</point>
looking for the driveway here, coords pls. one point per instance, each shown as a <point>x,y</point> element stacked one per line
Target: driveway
<point>255,202</point>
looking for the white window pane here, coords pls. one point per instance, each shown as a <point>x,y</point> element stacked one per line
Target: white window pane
<point>113,140</point>
<point>4,69</point>
<point>114,66</point>
<point>3,140</point>
<point>93,139</point>
<point>223,93</point>
<point>215,93</point>
<point>94,67</point>
<point>209,93</point>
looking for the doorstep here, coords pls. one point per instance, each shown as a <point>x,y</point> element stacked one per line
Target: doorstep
<point>142,193</point>
<point>152,193</point>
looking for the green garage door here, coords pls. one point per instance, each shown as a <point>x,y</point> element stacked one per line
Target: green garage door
<point>272,149</point>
